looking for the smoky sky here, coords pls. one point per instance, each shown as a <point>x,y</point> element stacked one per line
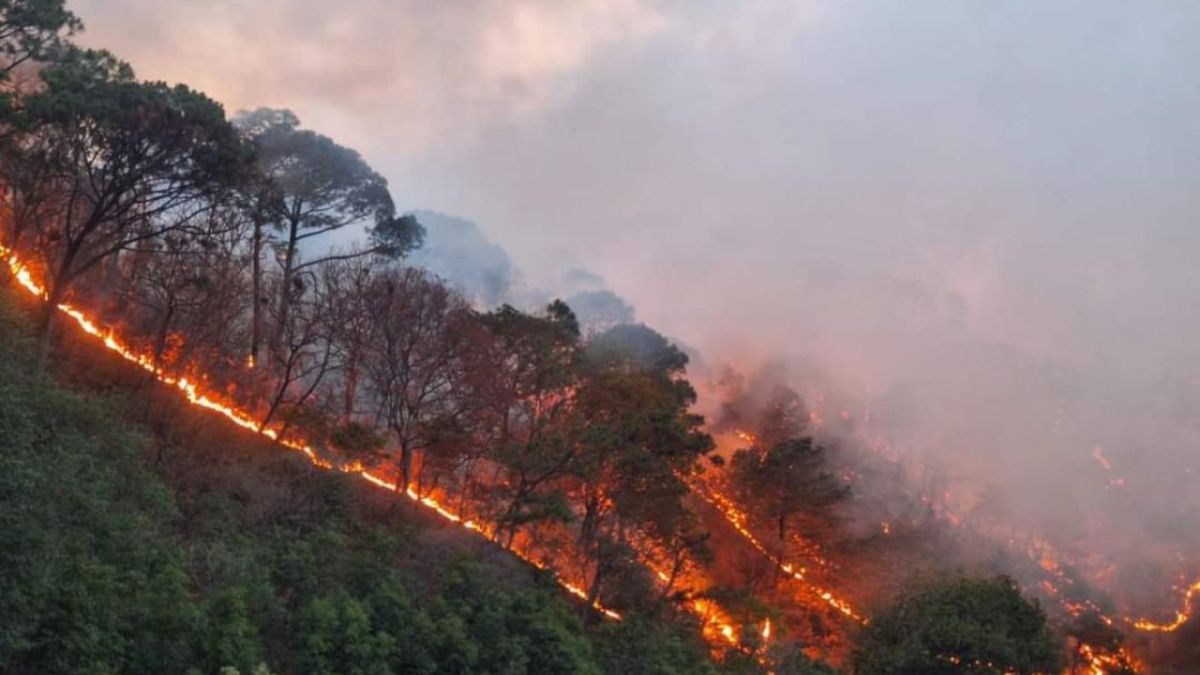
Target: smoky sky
<point>978,219</point>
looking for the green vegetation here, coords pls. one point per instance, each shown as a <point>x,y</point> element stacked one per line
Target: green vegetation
<point>962,625</point>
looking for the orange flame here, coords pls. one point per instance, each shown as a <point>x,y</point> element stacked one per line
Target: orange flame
<point>196,396</point>
<point>1182,615</point>
<point>716,623</point>
<point>737,520</point>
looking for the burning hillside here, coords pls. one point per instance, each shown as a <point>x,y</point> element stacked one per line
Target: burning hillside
<point>972,505</point>
<point>800,577</point>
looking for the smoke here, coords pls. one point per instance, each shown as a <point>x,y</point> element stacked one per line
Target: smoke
<point>457,251</point>
<point>973,221</point>
<point>415,76</point>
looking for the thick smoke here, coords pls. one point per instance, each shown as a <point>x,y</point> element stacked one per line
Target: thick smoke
<point>973,222</point>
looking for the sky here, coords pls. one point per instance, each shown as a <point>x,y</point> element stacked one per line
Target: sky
<point>975,218</point>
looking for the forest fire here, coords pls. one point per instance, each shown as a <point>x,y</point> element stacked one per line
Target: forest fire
<point>1099,663</point>
<point>196,396</point>
<point>902,443</point>
<point>717,625</point>
<point>737,520</point>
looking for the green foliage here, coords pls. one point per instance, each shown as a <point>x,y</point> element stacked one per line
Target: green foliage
<point>636,347</point>
<point>91,99</point>
<point>962,625</point>
<point>639,646</point>
<point>85,565</point>
<point>32,29</point>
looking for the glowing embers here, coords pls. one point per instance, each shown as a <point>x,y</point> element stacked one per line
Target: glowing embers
<point>1101,663</point>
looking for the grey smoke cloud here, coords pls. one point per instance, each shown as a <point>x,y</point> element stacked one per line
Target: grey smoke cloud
<point>977,218</point>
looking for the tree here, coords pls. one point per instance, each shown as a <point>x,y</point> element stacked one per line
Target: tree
<point>783,416</point>
<point>305,352</point>
<point>960,625</point>
<point>27,186</point>
<point>1090,634</point>
<point>189,286</point>
<point>785,481</point>
<point>230,638</point>
<point>315,187</point>
<point>639,646</point>
<point>337,637</point>
<point>131,162</point>
<point>31,29</point>
<point>638,443</point>
<point>527,399</point>
<point>412,359</point>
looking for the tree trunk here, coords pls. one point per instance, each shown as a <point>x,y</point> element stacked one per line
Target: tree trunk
<point>285,293</point>
<point>55,290</point>
<point>256,297</point>
<point>593,594</point>
<point>160,341</point>
<point>587,526</point>
<point>351,388</point>
<point>45,336</point>
<point>110,279</point>
<point>405,468</point>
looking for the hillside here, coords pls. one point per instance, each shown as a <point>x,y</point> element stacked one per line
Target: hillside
<point>140,537</point>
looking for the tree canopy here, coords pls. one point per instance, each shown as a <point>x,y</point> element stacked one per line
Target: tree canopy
<point>959,626</point>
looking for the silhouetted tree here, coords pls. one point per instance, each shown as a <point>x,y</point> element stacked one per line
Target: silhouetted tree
<point>131,162</point>
<point>317,187</point>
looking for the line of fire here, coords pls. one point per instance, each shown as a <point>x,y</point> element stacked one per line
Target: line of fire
<point>778,573</point>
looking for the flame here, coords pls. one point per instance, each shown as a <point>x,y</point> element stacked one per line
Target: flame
<point>1182,615</point>
<point>717,626</point>
<point>746,436</point>
<point>1100,663</point>
<point>737,520</point>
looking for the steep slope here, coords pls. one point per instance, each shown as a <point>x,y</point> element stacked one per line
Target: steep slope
<point>137,534</point>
